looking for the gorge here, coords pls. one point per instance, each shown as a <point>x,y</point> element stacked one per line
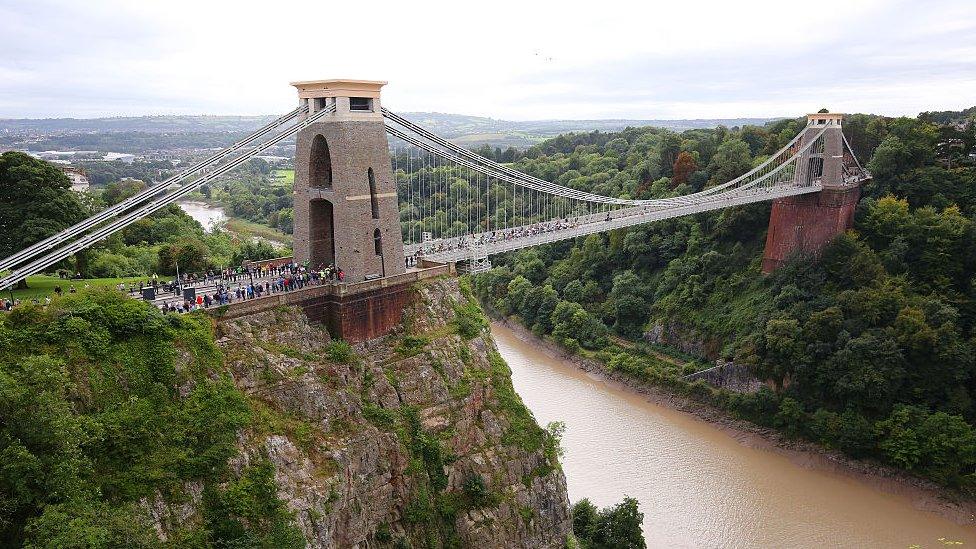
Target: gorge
<point>145,428</point>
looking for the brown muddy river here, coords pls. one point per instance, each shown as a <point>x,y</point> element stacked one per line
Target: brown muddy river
<point>700,485</point>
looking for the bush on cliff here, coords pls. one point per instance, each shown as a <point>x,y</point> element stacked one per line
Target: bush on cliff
<point>104,402</point>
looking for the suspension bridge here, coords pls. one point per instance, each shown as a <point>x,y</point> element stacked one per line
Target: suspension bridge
<point>379,195</point>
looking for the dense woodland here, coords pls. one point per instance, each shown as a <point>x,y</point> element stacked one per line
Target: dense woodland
<point>870,349</point>
<point>92,423</point>
<point>156,244</point>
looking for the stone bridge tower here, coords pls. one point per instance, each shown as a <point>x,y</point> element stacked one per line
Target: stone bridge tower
<point>807,222</point>
<point>346,209</point>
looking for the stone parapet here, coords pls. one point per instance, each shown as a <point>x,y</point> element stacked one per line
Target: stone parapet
<point>353,312</point>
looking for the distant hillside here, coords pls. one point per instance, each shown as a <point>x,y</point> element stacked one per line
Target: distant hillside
<point>476,130</point>
<point>134,134</point>
<point>950,117</point>
<point>150,124</point>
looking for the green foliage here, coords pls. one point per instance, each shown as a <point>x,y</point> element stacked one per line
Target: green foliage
<point>83,524</point>
<point>615,527</point>
<point>254,251</point>
<point>117,191</point>
<point>434,508</point>
<point>522,430</point>
<point>36,201</point>
<point>93,422</point>
<point>189,255</point>
<point>940,446</point>
<point>469,320</point>
<point>731,160</point>
<point>247,512</point>
<point>253,194</point>
<point>166,225</point>
<point>109,265</point>
<point>476,493</point>
<point>383,418</point>
<point>882,320</point>
<point>340,351</point>
<point>412,345</point>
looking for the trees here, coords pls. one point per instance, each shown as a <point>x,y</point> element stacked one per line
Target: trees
<point>189,254</point>
<point>670,148</point>
<point>627,304</point>
<point>939,445</point>
<point>882,319</point>
<point>615,527</point>
<point>730,161</point>
<point>36,202</point>
<point>891,158</point>
<point>253,251</point>
<point>92,423</point>
<point>118,191</point>
<point>755,137</point>
<point>684,166</point>
<point>571,321</point>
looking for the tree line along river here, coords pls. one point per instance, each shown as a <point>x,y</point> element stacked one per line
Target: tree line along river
<point>701,485</point>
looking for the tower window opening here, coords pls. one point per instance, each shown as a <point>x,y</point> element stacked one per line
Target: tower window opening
<point>361,104</point>
<point>320,166</point>
<point>377,242</point>
<point>373,199</point>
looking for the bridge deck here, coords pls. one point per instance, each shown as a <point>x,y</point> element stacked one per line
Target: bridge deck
<point>484,244</point>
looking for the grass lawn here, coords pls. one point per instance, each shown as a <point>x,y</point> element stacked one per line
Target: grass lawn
<point>42,285</point>
<point>283,176</point>
<point>247,229</point>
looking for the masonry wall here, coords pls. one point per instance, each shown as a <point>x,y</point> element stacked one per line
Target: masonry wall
<point>363,316</point>
<point>353,312</point>
<point>806,223</point>
<point>348,226</point>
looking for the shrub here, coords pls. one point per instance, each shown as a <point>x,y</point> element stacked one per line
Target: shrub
<point>340,351</point>
<point>469,320</point>
<point>412,345</point>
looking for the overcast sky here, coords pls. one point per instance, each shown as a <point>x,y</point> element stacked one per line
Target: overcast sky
<point>514,60</point>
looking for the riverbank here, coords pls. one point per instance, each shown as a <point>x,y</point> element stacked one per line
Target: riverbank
<point>212,216</point>
<point>922,495</point>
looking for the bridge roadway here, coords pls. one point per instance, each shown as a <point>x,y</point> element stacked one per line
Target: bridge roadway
<point>210,287</point>
<point>481,245</point>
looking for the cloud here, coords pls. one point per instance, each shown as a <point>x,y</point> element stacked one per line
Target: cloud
<point>506,59</point>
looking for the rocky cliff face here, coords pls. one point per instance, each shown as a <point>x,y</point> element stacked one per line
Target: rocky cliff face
<point>413,440</point>
<point>725,373</point>
<point>685,339</point>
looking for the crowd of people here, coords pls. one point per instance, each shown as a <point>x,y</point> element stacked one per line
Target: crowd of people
<point>500,235</point>
<point>247,282</point>
<point>213,287</point>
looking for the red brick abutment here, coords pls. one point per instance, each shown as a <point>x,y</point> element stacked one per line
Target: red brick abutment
<point>808,222</point>
<point>353,312</point>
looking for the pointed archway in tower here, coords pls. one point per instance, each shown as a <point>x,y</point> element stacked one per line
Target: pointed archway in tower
<point>321,233</point>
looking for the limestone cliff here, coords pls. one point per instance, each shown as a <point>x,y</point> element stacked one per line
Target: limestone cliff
<point>413,440</point>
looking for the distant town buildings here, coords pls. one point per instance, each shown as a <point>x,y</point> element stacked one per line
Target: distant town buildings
<point>79,181</point>
<point>272,159</point>
<point>61,157</point>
